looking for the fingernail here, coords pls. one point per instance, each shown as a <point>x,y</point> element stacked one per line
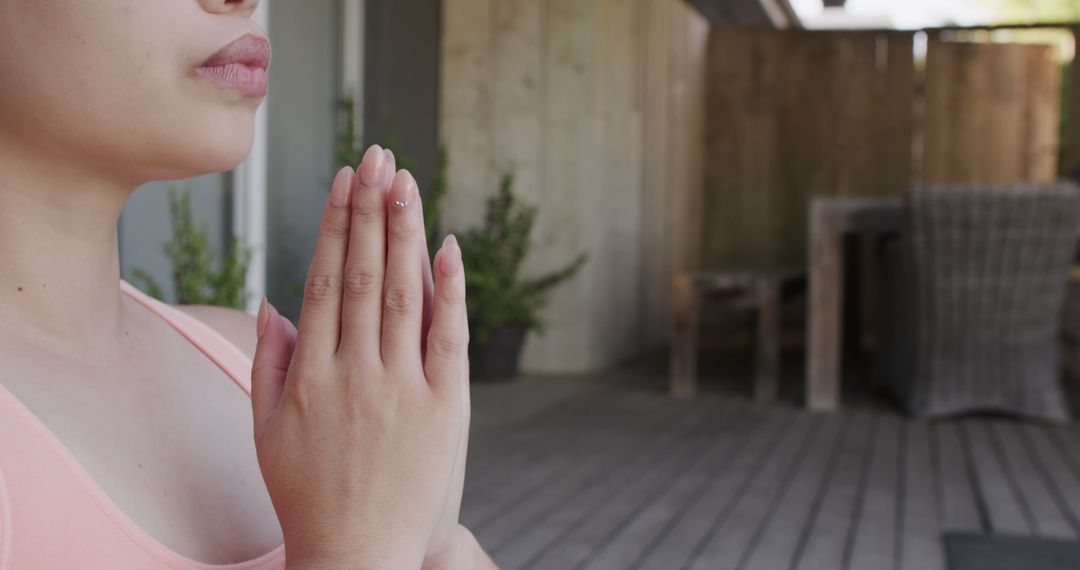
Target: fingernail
<point>451,255</point>
<point>390,168</point>
<point>339,191</point>
<point>260,322</point>
<point>371,167</point>
<point>387,176</point>
<point>401,193</point>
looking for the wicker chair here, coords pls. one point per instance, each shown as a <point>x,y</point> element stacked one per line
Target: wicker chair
<point>971,299</point>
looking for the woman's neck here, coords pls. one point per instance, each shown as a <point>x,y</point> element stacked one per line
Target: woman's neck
<point>59,255</point>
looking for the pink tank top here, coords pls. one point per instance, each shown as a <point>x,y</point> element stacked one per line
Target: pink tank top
<point>53,515</point>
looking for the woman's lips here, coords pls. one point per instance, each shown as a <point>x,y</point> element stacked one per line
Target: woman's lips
<point>240,65</point>
<point>247,80</point>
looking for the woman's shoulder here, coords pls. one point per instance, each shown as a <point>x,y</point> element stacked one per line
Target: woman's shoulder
<point>236,326</point>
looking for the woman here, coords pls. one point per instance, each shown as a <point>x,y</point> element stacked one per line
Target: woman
<point>124,442</point>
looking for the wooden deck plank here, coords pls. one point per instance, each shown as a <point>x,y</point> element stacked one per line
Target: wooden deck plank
<point>553,449</point>
<point>532,535</point>
<point>959,510</point>
<point>623,500</point>
<point>993,482</point>
<point>622,476</point>
<point>1047,517</point>
<point>731,539</point>
<point>547,439</point>
<point>545,529</point>
<point>778,543</point>
<point>512,403</point>
<point>826,541</point>
<point>505,420</point>
<point>627,544</point>
<point>577,473</point>
<point>875,540</point>
<point>920,536</point>
<point>1067,442</point>
<point>673,546</point>
<point>1063,480</point>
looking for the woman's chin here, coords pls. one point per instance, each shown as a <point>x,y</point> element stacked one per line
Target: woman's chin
<point>195,162</point>
<point>219,139</point>
<point>201,141</point>
<point>218,154</point>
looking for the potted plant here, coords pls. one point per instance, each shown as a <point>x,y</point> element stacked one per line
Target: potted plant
<point>503,306</point>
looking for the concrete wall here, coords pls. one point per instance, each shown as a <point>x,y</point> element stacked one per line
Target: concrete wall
<point>578,99</point>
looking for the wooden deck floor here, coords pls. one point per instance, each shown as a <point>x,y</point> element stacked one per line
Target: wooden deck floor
<point>611,473</point>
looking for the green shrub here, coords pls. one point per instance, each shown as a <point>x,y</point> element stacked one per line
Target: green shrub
<point>496,293</point>
<point>192,260</point>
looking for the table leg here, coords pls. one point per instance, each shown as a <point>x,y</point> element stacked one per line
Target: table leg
<point>767,371</point>
<point>684,338</point>
<point>824,327</point>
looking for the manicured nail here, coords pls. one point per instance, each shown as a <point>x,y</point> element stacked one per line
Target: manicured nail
<point>387,176</point>
<point>402,191</point>
<point>371,167</point>
<point>391,167</point>
<point>339,191</point>
<point>260,322</point>
<point>451,255</point>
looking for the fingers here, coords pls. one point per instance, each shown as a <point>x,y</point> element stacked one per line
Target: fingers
<point>320,314</point>
<point>402,289</point>
<point>361,316</point>
<point>270,364</point>
<point>446,339</point>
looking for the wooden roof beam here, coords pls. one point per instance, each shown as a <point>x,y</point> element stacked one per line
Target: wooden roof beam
<point>763,13</point>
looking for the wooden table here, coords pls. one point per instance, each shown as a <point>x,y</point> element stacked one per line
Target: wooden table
<point>830,220</point>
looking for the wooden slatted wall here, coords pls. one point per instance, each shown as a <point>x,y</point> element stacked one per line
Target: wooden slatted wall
<point>992,112</point>
<point>794,115</point>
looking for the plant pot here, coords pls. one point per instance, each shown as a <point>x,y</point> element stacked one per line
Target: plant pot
<point>499,358</point>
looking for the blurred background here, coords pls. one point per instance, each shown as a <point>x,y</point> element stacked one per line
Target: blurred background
<point>757,284</point>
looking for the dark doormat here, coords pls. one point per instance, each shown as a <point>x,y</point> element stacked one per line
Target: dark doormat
<point>990,552</point>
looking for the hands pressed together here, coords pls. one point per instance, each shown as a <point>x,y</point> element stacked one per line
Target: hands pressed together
<point>362,414</point>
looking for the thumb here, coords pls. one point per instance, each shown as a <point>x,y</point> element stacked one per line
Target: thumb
<point>273,352</point>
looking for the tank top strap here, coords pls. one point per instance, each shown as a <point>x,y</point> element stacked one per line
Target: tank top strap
<point>226,355</point>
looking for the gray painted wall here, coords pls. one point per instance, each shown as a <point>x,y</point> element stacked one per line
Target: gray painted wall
<point>304,88</point>
<point>144,226</point>
<point>402,79</point>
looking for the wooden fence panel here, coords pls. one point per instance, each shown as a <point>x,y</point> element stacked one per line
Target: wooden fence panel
<point>794,115</point>
<point>992,112</point>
